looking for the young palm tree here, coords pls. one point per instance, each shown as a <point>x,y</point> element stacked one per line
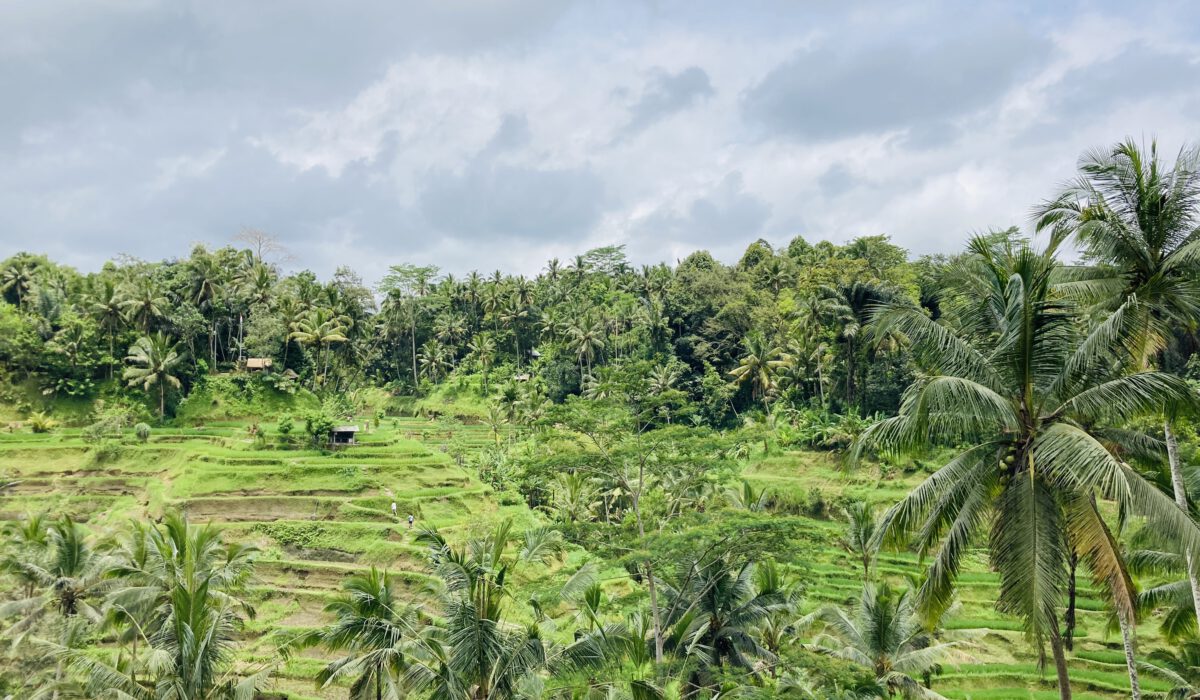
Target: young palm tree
<point>1140,220</point>
<point>860,540</point>
<point>759,366</point>
<point>180,580</point>
<point>17,277</point>
<point>478,655</point>
<point>885,633</point>
<point>1015,377</point>
<point>370,626</point>
<point>154,359</point>
<point>718,605</point>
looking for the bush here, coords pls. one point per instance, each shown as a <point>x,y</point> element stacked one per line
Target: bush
<point>105,452</point>
<point>40,422</point>
<point>142,431</point>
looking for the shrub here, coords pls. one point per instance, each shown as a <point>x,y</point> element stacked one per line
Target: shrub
<point>142,431</point>
<point>285,424</point>
<point>40,422</point>
<point>105,452</point>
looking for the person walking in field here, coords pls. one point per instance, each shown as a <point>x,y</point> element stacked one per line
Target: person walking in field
<point>393,509</point>
<point>410,521</point>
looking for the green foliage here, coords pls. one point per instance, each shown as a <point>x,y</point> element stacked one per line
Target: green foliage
<point>142,431</point>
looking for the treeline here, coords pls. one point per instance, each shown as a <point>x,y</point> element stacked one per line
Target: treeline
<point>788,322</point>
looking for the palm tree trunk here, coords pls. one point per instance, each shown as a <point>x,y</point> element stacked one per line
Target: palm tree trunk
<point>1181,499</point>
<point>1069,616</point>
<point>1060,663</point>
<point>162,400</point>
<point>1127,632</point>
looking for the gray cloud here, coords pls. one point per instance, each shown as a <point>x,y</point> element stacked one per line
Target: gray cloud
<point>726,212</point>
<point>828,93</point>
<point>666,94</point>
<point>482,134</point>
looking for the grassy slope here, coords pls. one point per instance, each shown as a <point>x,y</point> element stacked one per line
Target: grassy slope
<point>319,517</point>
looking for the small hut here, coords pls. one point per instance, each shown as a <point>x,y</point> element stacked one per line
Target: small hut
<point>342,435</point>
<point>258,364</point>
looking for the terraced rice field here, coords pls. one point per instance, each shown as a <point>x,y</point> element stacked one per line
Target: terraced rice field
<point>1001,663</point>
<point>319,518</point>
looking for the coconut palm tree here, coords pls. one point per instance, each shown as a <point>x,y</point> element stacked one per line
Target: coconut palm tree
<point>484,349</point>
<point>17,276</point>
<point>321,328</point>
<point>886,633</point>
<point>370,626</point>
<point>859,538</point>
<point>144,303</point>
<point>154,360</point>
<point>717,605</point>
<point>586,339</point>
<point>105,306</point>
<point>759,366</point>
<point>478,655</point>
<point>151,560</point>
<point>1179,666</point>
<point>1011,373</point>
<point>1139,219</point>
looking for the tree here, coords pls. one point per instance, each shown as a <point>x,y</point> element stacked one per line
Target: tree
<point>321,328</point>
<point>720,603</point>
<point>1018,380</point>
<point>759,366</point>
<point>370,627</point>
<point>587,341</point>
<point>144,303</point>
<point>105,307</point>
<point>859,539</point>
<point>154,361</point>
<point>194,621</point>
<point>886,633</point>
<point>1140,221</point>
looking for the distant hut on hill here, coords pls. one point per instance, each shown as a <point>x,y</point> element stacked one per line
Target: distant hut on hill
<point>342,435</point>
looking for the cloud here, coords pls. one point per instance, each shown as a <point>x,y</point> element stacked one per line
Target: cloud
<point>498,134</point>
<point>827,93</point>
<point>665,94</point>
<point>725,212</point>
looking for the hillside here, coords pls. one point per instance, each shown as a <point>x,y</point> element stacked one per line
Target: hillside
<point>317,517</point>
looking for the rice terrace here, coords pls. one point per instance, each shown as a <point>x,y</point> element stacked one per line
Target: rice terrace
<point>599,351</point>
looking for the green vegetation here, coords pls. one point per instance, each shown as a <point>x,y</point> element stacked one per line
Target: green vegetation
<point>827,471</point>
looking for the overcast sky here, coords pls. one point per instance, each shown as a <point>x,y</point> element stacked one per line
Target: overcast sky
<point>485,134</point>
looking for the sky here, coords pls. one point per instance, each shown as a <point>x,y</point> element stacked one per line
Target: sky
<point>496,134</point>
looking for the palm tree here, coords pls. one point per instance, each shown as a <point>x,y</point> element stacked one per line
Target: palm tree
<point>478,656</point>
<point>1140,220</point>
<point>65,575</point>
<point>886,633</point>
<point>321,328</point>
<point>143,303</point>
<point>155,359</point>
<point>484,349</point>
<point>105,307</point>
<point>719,604</point>
<point>1180,666</point>
<point>1014,376</point>
<point>587,341</point>
<point>859,539</point>
<point>370,626</point>
<point>151,560</point>
<point>17,276</point>
<point>759,366</point>
<point>194,622</point>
